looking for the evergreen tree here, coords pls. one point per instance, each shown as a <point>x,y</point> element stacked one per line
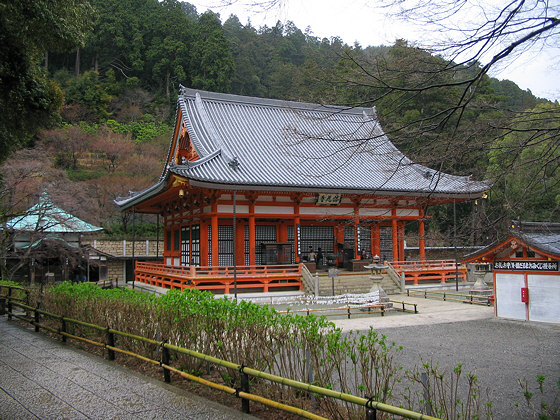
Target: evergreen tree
<point>29,100</point>
<point>211,61</point>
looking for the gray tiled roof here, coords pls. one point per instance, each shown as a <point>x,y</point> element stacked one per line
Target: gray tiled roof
<point>273,143</point>
<point>47,218</point>
<point>548,242</point>
<point>542,236</point>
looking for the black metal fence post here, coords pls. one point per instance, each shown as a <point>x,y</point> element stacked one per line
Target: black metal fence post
<point>9,303</point>
<point>245,388</point>
<point>110,342</point>
<point>36,319</point>
<point>63,328</point>
<point>165,361</point>
<point>371,413</point>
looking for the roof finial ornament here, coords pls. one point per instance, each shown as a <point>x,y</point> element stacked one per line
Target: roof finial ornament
<point>234,163</point>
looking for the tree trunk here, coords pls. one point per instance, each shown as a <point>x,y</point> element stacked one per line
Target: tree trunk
<point>77,64</point>
<point>46,60</point>
<point>167,84</point>
<point>96,62</point>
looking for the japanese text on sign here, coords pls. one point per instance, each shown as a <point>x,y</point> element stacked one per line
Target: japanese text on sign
<point>526,265</point>
<point>325,199</point>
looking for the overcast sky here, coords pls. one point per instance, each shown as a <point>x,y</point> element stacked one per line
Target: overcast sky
<point>355,21</point>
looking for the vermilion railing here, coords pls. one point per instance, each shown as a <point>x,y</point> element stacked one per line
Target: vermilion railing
<point>430,270</point>
<point>220,279</point>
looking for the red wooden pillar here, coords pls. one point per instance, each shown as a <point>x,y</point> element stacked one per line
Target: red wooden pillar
<point>252,246</point>
<point>214,223</point>
<point>376,240</point>
<point>421,239</point>
<point>401,241</point>
<point>339,234</point>
<point>338,238</point>
<point>395,236</point>
<point>282,232</point>
<point>204,243</point>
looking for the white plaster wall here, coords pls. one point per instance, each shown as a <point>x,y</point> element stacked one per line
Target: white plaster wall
<point>508,296</point>
<point>226,208</point>
<point>326,211</point>
<point>407,212</point>
<point>374,212</point>
<point>544,297</point>
<point>274,210</point>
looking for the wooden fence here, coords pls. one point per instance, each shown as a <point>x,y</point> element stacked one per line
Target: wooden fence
<point>257,278</point>
<point>110,347</point>
<point>476,297</point>
<point>432,271</point>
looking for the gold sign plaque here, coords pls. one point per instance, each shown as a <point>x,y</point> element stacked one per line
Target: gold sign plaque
<point>328,199</point>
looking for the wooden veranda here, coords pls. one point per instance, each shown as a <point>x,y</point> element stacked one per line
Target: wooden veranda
<point>221,279</point>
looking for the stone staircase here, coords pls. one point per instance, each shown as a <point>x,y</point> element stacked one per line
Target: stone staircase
<point>353,283</point>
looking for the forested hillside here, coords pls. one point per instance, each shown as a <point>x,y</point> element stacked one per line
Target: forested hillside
<point>110,131</point>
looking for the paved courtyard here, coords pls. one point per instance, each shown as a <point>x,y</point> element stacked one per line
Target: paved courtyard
<point>41,378</point>
<point>498,351</point>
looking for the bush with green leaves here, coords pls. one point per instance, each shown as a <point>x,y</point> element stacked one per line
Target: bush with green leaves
<point>363,364</point>
<point>542,403</point>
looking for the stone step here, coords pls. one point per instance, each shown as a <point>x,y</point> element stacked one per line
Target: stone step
<point>354,283</point>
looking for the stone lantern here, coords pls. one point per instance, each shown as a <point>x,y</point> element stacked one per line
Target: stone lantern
<point>376,276</point>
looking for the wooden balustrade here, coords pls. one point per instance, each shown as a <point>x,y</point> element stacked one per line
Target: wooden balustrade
<point>430,270</point>
<point>261,278</point>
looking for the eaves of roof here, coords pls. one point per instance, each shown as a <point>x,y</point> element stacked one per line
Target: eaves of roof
<point>546,244</point>
<point>265,144</point>
<point>48,218</point>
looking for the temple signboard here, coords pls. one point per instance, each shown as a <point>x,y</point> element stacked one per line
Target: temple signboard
<point>328,199</point>
<point>526,265</point>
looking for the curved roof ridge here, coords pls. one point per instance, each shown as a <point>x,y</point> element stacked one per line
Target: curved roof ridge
<point>267,102</point>
<point>201,161</point>
<point>213,133</point>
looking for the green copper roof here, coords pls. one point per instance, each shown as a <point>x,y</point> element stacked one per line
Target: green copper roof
<point>46,217</point>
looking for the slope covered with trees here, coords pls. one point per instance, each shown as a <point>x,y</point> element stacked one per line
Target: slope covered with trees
<point>109,93</point>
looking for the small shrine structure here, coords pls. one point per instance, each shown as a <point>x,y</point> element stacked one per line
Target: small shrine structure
<point>251,187</point>
<point>47,240</point>
<point>525,271</point>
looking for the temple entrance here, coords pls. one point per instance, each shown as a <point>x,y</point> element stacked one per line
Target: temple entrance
<point>315,237</point>
<point>190,245</point>
<point>277,253</point>
<point>386,242</point>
